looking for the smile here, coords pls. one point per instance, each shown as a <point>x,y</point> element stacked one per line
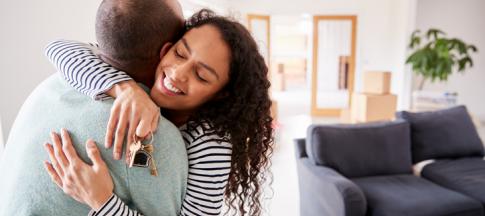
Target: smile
<point>168,88</point>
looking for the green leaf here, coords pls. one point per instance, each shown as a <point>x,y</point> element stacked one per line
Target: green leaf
<point>469,60</point>
<point>440,67</point>
<point>461,65</point>
<point>414,42</point>
<point>434,33</point>
<point>462,48</point>
<point>472,47</point>
<point>415,39</point>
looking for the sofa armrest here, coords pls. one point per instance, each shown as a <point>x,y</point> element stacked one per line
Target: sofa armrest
<point>323,191</point>
<point>300,150</point>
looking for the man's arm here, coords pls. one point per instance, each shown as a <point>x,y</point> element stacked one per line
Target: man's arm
<point>83,69</point>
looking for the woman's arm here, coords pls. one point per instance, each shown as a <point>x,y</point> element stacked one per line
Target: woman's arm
<point>80,66</point>
<point>88,184</point>
<point>133,111</point>
<point>114,207</point>
<point>209,166</point>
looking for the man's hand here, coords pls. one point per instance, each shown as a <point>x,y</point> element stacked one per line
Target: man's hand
<point>133,109</point>
<point>88,184</point>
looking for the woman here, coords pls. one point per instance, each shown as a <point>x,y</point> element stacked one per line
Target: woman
<point>213,81</point>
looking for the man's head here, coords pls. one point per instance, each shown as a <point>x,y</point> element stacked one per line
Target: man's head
<point>131,33</point>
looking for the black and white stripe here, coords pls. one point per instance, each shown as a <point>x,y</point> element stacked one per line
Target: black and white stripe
<point>209,166</point>
<point>114,207</point>
<point>209,154</point>
<point>83,69</point>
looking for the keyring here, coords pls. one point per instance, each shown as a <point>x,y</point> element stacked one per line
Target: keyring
<point>135,138</point>
<point>141,155</point>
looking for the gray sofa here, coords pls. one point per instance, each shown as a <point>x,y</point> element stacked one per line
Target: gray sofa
<point>366,169</point>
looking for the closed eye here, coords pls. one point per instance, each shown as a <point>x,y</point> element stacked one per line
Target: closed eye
<point>199,77</point>
<point>177,54</point>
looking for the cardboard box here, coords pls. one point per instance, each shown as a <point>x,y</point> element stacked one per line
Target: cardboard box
<point>376,82</point>
<point>372,107</point>
<point>345,116</point>
<point>274,109</point>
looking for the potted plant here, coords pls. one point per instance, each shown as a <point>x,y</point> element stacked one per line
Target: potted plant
<point>435,60</point>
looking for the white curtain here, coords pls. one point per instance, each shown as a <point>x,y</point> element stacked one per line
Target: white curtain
<point>334,40</point>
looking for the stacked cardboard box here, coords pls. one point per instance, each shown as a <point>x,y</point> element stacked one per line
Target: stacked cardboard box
<point>375,102</point>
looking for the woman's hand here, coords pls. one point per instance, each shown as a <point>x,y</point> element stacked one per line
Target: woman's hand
<point>134,110</point>
<point>88,184</point>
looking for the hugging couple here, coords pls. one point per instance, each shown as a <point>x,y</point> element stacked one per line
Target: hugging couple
<point>206,119</point>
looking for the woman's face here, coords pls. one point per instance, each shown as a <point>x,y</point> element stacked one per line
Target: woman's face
<point>193,71</point>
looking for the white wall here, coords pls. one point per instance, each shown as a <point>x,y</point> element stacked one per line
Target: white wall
<point>2,141</point>
<point>191,6</point>
<point>27,26</point>
<point>463,19</point>
<point>383,27</point>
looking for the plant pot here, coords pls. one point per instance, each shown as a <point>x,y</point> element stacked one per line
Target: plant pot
<point>433,100</point>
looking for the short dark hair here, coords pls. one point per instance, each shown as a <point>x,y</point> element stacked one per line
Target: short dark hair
<point>128,30</point>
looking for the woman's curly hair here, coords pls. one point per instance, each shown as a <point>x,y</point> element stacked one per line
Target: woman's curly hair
<point>242,115</point>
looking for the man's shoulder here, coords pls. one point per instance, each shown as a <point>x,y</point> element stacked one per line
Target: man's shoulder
<point>54,85</point>
<point>52,82</point>
<point>54,104</point>
<point>54,89</point>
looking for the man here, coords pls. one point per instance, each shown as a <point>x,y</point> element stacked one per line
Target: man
<point>130,34</point>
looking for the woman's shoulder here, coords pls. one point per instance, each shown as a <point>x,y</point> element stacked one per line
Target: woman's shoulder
<point>202,132</point>
<point>205,145</point>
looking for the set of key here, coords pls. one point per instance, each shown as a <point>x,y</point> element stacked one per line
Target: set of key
<point>141,155</point>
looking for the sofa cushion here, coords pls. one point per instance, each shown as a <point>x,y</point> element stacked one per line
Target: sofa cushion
<point>463,175</point>
<point>363,149</point>
<point>448,133</point>
<point>409,195</point>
